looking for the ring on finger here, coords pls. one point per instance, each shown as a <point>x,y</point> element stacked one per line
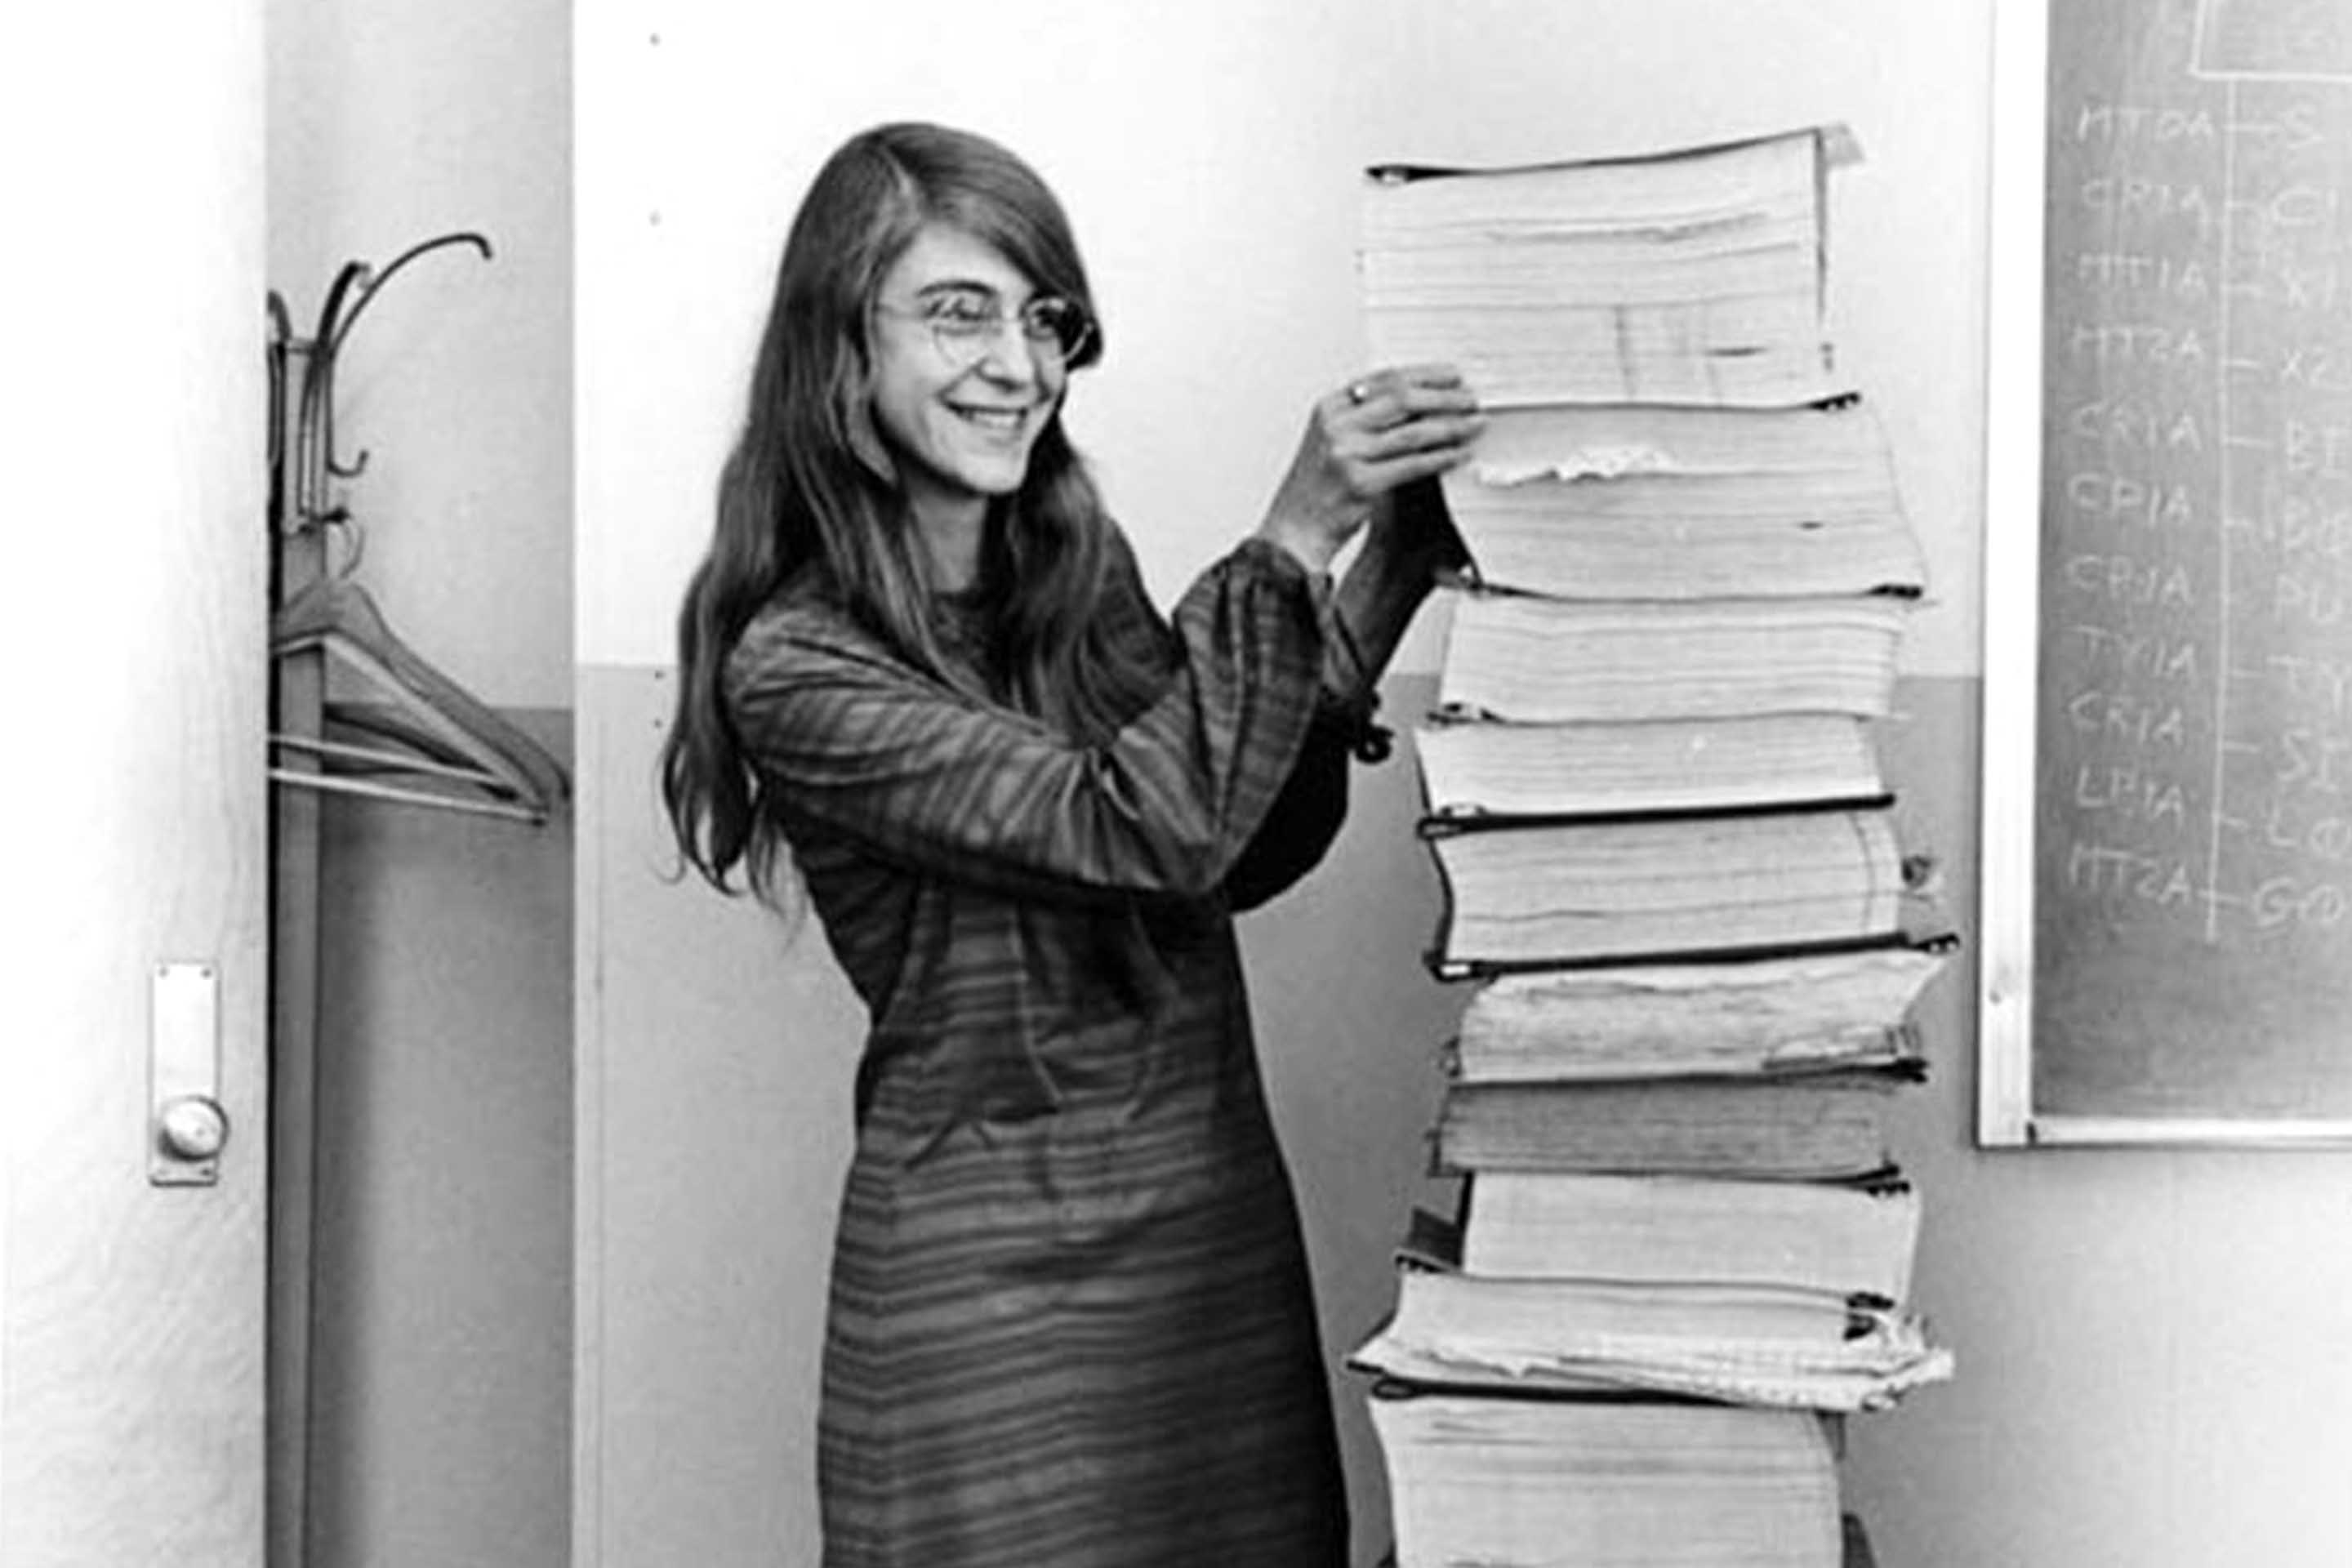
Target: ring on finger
<point>1358,392</point>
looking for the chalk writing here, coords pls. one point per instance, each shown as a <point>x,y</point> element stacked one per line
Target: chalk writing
<point>2134,653</point>
<point>2122,717</point>
<point>2288,901</point>
<point>2315,451</point>
<point>2138,342</point>
<point>2157,123</point>
<point>2129,421</point>
<point>2113,871</point>
<point>2126,791</point>
<point>2312,760</point>
<point>2134,197</point>
<point>2309,678</point>
<point>2307,601</point>
<point>2304,367</point>
<point>2129,497</point>
<point>2146,271</point>
<point>2294,524</point>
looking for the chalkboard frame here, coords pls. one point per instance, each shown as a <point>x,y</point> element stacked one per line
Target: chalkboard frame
<point>2006,1115</point>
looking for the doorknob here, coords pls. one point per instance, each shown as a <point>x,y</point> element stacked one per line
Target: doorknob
<point>191,1127</point>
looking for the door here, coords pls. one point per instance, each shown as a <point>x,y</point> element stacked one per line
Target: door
<point>133,683</point>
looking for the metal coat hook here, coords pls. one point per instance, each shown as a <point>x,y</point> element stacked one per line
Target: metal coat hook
<point>370,282</point>
<point>314,454</point>
<point>360,284</point>
<point>301,478</point>
<point>282,343</point>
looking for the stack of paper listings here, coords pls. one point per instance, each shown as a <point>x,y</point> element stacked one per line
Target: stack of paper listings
<point>1673,873</point>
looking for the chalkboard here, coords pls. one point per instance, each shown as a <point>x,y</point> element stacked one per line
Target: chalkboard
<point>2190,910</point>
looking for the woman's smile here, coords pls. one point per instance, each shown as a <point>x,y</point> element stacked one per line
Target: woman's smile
<point>993,419</point>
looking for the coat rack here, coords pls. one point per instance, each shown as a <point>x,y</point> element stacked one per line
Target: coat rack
<point>418,739</point>
<point>447,750</point>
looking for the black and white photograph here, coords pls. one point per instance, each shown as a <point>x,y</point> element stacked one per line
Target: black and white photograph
<point>1264,783</point>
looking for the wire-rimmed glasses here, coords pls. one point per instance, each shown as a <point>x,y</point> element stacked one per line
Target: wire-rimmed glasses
<point>965,323</point>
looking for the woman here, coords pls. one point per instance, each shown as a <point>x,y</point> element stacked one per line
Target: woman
<point>1070,1315</point>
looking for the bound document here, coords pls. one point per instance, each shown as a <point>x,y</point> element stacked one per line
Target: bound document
<point>1606,502</point>
<point>1478,772</point>
<point>1788,1126</point>
<point>1847,1239</point>
<point>1547,895</point>
<point>1528,660</point>
<point>1759,1016</point>
<point>1568,1483</point>
<point>1691,278</point>
<point>1756,1345</point>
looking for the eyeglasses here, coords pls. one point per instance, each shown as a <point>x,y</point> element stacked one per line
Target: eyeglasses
<point>966,322</point>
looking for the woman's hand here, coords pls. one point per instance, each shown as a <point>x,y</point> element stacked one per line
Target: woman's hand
<point>1387,429</point>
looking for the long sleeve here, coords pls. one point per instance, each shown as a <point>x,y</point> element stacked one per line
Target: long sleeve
<point>1304,820</point>
<point>858,742</point>
<point>1412,540</point>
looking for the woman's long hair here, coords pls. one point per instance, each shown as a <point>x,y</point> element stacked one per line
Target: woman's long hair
<point>809,486</point>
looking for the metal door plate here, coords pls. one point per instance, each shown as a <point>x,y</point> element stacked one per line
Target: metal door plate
<point>183,1039</point>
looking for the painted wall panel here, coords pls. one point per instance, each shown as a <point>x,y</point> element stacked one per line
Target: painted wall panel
<point>440,1399</point>
<point>717,1045</point>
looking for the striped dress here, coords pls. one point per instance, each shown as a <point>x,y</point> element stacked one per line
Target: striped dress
<point>1071,1323</point>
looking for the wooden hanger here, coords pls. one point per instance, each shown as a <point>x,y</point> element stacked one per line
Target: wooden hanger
<point>449,751</point>
<point>451,738</point>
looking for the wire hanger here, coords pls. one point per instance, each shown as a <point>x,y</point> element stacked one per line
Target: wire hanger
<point>449,751</point>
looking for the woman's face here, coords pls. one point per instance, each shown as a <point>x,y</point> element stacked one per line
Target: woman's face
<point>960,390</point>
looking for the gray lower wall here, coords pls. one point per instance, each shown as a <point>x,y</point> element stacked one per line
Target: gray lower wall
<point>2155,1346</point>
<point>441,1337</point>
